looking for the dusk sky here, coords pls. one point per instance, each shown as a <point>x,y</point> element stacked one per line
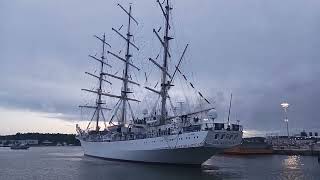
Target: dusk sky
<point>264,52</point>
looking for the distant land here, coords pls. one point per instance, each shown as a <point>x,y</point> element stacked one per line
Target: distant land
<point>40,139</point>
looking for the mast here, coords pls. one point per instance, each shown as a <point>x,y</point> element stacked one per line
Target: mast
<point>164,83</point>
<point>125,89</point>
<point>98,107</point>
<point>124,99</point>
<point>99,102</point>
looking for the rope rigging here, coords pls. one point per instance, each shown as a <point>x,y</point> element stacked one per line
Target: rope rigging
<point>192,86</point>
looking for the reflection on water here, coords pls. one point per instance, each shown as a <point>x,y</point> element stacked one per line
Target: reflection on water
<point>292,162</point>
<point>68,163</point>
<point>99,169</point>
<point>292,168</point>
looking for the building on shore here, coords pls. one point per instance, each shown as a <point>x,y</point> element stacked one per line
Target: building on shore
<point>31,142</point>
<point>300,140</point>
<point>300,144</point>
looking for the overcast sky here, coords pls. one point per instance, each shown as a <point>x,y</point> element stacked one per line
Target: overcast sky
<point>264,52</point>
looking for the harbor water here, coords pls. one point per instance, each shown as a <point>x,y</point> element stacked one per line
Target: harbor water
<point>68,163</point>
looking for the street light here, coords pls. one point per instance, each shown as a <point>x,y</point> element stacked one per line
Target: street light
<point>285,106</point>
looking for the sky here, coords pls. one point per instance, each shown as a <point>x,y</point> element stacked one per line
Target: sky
<point>263,52</point>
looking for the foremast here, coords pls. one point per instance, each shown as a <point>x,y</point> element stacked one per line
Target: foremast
<point>98,106</point>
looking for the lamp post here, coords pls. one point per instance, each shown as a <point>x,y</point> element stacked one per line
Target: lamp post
<point>285,106</point>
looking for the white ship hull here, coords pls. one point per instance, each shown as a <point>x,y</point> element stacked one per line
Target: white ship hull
<point>192,148</point>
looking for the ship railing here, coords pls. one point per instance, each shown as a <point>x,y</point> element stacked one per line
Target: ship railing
<point>223,126</point>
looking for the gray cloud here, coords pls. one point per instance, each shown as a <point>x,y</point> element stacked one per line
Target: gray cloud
<point>265,52</point>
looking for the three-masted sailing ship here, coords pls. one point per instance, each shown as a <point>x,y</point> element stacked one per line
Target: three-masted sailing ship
<point>157,137</point>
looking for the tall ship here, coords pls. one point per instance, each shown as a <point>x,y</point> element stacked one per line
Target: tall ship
<point>161,134</point>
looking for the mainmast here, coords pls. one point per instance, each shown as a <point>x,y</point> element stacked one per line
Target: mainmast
<point>124,99</point>
<point>98,107</point>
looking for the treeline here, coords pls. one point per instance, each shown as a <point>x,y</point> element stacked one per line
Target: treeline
<point>54,138</point>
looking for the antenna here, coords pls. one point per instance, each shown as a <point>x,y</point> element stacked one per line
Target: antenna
<point>181,106</point>
<point>229,109</point>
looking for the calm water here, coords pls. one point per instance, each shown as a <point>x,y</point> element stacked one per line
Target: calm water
<point>68,163</point>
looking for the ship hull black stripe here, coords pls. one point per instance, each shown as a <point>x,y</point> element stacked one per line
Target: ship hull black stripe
<point>144,162</point>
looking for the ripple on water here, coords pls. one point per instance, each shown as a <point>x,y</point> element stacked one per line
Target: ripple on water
<point>68,163</point>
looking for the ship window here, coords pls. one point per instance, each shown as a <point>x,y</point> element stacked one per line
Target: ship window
<point>216,136</point>
<point>222,136</point>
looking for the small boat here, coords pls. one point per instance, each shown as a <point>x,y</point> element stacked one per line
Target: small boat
<point>20,146</point>
<point>250,148</point>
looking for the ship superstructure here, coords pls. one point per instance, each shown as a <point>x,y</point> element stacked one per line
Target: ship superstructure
<point>185,138</point>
